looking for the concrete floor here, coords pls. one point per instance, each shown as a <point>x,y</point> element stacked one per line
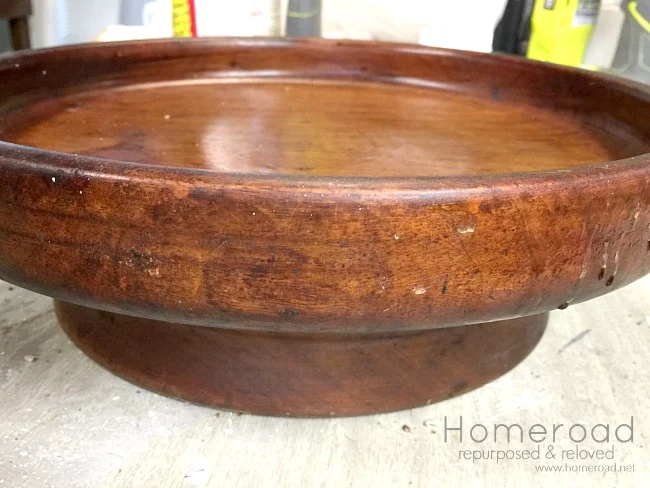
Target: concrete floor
<point>66,422</point>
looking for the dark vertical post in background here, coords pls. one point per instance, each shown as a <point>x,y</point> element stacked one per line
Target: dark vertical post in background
<point>17,12</point>
<point>304,18</point>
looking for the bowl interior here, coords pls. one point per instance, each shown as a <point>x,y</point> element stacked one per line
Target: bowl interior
<point>325,127</point>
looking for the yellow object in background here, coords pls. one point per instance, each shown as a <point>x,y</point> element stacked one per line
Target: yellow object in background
<point>560,30</point>
<point>184,18</point>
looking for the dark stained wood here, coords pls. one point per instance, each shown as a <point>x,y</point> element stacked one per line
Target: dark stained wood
<point>275,127</point>
<point>275,373</point>
<point>319,188</point>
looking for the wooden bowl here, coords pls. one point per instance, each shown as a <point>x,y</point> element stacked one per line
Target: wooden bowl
<point>312,227</point>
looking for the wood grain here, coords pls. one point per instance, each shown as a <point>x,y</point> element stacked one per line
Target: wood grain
<point>320,253</point>
<point>319,187</point>
<point>322,128</point>
<point>303,375</point>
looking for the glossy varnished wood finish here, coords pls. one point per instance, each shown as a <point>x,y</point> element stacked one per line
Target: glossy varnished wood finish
<point>274,373</point>
<point>294,187</point>
<point>324,128</point>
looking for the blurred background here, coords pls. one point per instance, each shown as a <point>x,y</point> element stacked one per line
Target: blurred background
<point>607,35</point>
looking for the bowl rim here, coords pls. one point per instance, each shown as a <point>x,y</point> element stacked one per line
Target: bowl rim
<point>53,161</point>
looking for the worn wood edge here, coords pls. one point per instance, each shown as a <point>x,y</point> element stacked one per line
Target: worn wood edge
<point>624,180</point>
